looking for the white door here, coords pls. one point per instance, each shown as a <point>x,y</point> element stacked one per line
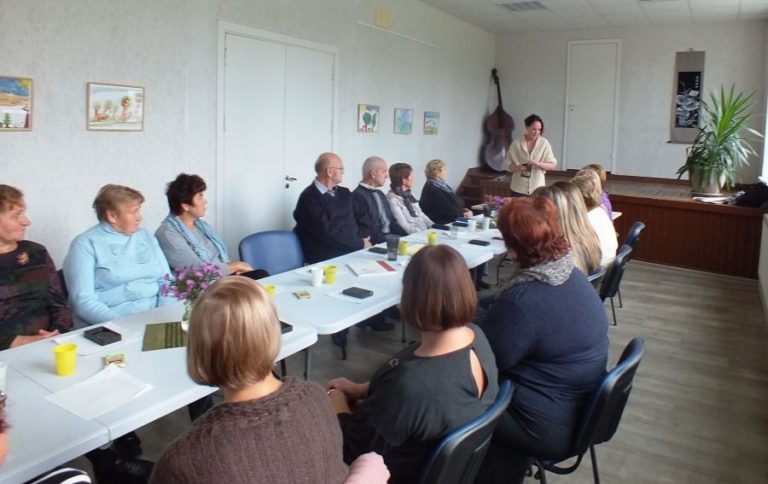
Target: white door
<point>591,103</point>
<point>278,104</point>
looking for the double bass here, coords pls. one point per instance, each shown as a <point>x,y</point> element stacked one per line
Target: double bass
<point>499,126</point>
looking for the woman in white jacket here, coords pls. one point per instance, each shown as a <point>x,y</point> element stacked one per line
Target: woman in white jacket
<point>404,205</point>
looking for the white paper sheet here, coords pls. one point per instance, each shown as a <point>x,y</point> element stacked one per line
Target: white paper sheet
<point>106,390</point>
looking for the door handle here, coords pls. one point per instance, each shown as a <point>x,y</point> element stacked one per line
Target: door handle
<point>289,178</point>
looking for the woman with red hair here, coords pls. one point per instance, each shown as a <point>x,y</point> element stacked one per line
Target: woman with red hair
<point>549,332</point>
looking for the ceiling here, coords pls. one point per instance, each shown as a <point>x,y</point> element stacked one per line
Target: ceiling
<point>513,16</point>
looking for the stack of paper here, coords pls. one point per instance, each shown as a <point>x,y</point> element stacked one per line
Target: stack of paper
<point>371,268</point>
<point>104,391</point>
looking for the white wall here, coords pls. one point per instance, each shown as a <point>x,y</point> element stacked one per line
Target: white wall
<point>533,73</point>
<point>170,48</point>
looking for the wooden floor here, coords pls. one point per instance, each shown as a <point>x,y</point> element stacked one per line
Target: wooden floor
<point>699,409</point>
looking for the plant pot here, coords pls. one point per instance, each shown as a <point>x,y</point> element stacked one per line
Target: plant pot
<point>706,186</point>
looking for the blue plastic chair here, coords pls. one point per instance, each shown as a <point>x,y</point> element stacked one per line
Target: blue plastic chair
<point>460,454</point>
<point>275,251</point>
<point>602,414</point>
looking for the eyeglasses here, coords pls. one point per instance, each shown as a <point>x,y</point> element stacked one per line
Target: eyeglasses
<point>336,168</point>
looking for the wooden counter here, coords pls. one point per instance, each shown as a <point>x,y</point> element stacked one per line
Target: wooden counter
<point>679,231</point>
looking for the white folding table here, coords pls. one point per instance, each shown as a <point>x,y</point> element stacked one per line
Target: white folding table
<point>39,428</point>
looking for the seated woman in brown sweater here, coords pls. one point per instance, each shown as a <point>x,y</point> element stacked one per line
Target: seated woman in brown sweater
<point>266,430</point>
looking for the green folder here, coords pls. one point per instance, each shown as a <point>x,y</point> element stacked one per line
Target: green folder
<point>160,336</point>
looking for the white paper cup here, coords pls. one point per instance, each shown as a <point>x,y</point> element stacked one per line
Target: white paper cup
<point>471,225</point>
<point>486,224</point>
<point>317,276</point>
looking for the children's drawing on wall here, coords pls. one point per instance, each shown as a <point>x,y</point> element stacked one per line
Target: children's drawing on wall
<point>114,107</point>
<point>431,122</point>
<point>367,118</point>
<point>688,99</point>
<point>15,103</point>
<point>403,121</point>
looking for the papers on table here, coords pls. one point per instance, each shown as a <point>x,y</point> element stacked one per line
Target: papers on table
<point>371,268</point>
<point>106,390</point>
<point>87,347</point>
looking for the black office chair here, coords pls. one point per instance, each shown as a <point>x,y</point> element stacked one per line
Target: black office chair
<point>459,455</point>
<point>603,413</point>
<point>613,275</point>
<point>633,237</point>
<point>596,278</point>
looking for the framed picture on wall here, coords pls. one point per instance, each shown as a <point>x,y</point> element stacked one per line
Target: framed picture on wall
<point>431,122</point>
<point>115,107</point>
<point>367,118</point>
<point>15,103</point>
<point>403,121</point>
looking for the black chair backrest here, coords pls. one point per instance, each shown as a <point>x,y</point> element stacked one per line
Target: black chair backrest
<point>614,273</point>
<point>633,236</point>
<point>603,414</point>
<point>596,278</point>
<point>60,274</point>
<point>459,455</point>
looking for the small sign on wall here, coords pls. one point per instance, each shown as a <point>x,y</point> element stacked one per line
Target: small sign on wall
<point>15,103</point>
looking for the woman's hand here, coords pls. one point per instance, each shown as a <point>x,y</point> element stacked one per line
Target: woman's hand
<point>353,391</point>
<point>517,168</point>
<point>238,267</point>
<point>467,213</point>
<point>41,334</point>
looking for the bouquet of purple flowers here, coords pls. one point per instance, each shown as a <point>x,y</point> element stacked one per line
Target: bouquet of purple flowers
<point>495,202</point>
<point>188,283</point>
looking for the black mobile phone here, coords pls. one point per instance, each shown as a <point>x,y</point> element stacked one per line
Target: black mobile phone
<point>285,327</point>
<point>441,227</point>
<point>378,250</point>
<point>102,336</point>
<point>479,242</point>
<point>357,292</point>
<point>460,223</point>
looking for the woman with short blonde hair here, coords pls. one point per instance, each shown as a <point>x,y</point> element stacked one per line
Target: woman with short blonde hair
<point>438,200</point>
<point>265,430</point>
<point>234,335</point>
<point>116,267</point>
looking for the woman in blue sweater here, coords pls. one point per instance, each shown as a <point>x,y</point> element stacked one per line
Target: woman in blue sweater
<point>549,332</point>
<point>115,268</point>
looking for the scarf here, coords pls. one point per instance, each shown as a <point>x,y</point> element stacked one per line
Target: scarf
<point>554,273</point>
<point>194,243</point>
<point>410,200</point>
<point>440,184</point>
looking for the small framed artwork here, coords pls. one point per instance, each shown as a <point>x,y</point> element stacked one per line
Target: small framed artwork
<point>403,121</point>
<point>367,118</point>
<point>431,122</point>
<point>15,103</point>
<point>114,107</point>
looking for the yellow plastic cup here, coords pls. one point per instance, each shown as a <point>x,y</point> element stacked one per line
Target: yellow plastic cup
<point>270,288</point>
<point>431,237</point>
<point>330,274</point>
<point>66,356</point>
<point>402,248</point>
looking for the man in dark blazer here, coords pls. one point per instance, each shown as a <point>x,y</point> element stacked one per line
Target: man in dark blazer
<point>372,211</point>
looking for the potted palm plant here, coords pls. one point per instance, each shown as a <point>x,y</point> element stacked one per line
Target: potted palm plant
<point>720,148</point>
